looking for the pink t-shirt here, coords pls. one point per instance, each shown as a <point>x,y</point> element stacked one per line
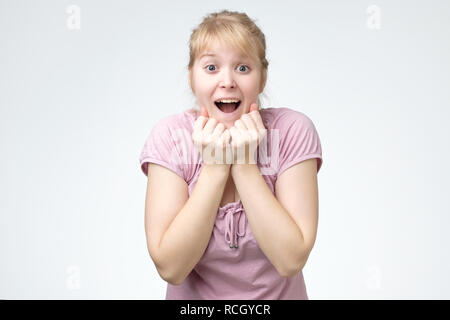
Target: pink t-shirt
<point>224,271</point>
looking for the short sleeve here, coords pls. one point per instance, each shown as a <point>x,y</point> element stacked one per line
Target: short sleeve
<point>160,148</point>
<point>299,140</point>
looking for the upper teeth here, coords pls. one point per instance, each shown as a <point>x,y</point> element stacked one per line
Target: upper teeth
<point>229,101</point>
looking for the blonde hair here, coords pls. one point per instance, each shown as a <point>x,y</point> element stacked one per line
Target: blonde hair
<point>234,29</point>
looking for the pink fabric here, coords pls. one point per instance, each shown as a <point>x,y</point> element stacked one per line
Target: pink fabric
<point>233,266</point>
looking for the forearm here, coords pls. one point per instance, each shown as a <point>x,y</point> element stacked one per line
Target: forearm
<point>187,237</point>
<point>275,231</point>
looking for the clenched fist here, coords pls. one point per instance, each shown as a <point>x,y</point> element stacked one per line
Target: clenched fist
<point>246,134</point>
<point>212,140</point>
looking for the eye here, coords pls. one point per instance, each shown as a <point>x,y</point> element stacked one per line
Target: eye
<point>210,67</point>
<point>242,68</point>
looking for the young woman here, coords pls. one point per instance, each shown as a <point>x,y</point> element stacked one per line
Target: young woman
<point>222,223</point>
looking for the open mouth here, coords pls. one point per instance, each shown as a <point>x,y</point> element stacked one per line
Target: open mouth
<point>227,107</point>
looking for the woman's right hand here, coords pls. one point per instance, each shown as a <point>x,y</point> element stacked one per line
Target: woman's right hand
<point>212,139</point>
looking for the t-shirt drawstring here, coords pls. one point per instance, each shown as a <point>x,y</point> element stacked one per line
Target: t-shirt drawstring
<point>233,217</point>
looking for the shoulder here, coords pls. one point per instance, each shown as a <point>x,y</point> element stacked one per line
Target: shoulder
<point>170,144</point>
<point>175,122</point>
<point>284,118</point>
<point>297,137</point>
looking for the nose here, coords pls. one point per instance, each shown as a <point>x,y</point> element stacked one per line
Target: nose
<point>227,80</point>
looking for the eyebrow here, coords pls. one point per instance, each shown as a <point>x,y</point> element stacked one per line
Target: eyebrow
<point>207,55</point>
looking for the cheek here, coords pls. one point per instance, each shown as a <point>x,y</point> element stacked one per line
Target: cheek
<point>251,87</point>
<point>204,87</point>
<point>199,81</point>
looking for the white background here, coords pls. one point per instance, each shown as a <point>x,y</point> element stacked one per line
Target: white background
<point>78,104</point>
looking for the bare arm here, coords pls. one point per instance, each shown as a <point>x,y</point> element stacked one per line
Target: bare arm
<point>284,224</point>
<point>177,238</point>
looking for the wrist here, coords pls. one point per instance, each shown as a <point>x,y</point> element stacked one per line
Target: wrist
<point>244,168</point>
<point>221,170</point>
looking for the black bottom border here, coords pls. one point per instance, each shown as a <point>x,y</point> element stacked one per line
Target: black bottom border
<point>226,309</point>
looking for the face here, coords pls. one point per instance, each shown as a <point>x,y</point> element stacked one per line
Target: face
<point>220,73</point>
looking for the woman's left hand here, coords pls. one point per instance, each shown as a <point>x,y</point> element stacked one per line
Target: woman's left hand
<point>246,134</point>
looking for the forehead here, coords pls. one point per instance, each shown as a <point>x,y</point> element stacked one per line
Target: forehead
<point>221,55</point>
<point>217,49</point>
